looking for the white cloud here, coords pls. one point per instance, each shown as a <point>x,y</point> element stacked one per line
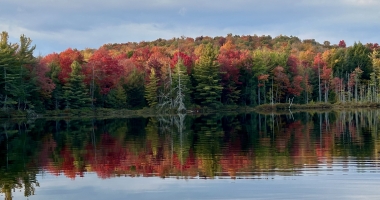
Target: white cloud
<point>57,25</point>
<point>182,11</point>
<point>361,2</point>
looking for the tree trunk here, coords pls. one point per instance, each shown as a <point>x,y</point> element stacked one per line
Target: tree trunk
<point>258,93</point>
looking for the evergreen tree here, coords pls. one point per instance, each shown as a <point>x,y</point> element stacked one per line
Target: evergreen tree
<point>151,89</point>
<point>7,70</point>
<point>134,89</point>
<point>248,92</point>
<point>75,91</point>
<point>57,94</point>
<point>358,56</point>
<point>26,74</point>
<point>18,77</point>
<point>116,98</point>
<point>338,62</point>
<point>207,78</point>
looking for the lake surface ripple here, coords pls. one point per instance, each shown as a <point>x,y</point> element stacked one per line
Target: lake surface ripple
<point>318,155</point>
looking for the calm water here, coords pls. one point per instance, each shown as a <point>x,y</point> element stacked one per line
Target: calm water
<point>249,156</point>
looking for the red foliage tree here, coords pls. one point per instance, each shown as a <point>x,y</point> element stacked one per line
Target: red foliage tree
<point>325,73</point>
<point>44,82</point>
<point>293,63</point>
<point>318,63</point>
<point>187,60</point>
<point>342,44</point>
<point>126,64</point>
<point>337,85</point>
<point>326,76</point>
<point>281,81</point>
<point>373,46</point>
<point>66,58</point>
<point>107,71</point>
<point>50,58</point>
<point>230,62</point>
<point>160,62</point>
<point>140,56</point>
<point>296,87</point>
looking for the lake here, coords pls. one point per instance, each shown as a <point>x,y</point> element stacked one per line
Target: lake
<point>315,155</point>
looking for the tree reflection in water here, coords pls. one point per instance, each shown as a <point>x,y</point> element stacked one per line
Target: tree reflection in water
<point>181,146</point>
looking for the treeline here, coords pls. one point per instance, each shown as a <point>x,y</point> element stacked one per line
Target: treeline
<point>189,73</point>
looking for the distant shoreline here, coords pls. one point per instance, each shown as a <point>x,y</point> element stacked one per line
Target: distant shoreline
<point>278,108</point>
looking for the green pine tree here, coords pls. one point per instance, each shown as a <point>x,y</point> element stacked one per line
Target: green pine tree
<point>26,76</point>
<point>18,77</point>
<point>116,98</point>
<point>134,89</point>
<point>57,94</point>
<point>75,91</point>
<point>358,55</point>
<point>151,89</point>
<point>207,77</point>
<point>7,70</point>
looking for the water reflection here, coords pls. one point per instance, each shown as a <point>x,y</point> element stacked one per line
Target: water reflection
<point>229,146</point>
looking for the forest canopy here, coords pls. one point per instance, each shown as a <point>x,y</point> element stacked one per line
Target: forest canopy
<point>188,72</point>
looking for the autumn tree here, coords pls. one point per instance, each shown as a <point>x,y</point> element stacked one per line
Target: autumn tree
<point>140,56</point>
<point>317,65</point>
<point>44,82</point>
<point>342,44</point>
<point>186,59</point>
<point>230,61</point>
<point>264,61</point>
<point>103,73</point>
<point>354,81</point>
<point>295,77</point>
<point>326,78</point>
<point>375,75</point>
<point>281,84</point>
<point>66,58</point>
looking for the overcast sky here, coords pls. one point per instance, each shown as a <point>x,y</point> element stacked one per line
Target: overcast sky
<point>55,25</point>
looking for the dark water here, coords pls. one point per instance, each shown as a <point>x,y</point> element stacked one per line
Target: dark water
<point>248,156</point>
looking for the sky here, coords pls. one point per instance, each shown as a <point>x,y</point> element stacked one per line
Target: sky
<point>55,25</point>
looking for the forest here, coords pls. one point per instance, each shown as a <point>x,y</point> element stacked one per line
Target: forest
<point>186,73</point>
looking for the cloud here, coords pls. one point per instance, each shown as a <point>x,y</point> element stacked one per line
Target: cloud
<point>59,24</point>
<point>182,11</point>
<point>361,2</point>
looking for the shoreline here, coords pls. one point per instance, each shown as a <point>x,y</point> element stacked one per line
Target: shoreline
<point>279,108</point>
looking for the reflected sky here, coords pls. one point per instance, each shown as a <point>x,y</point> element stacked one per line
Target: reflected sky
<point>349,186</point>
